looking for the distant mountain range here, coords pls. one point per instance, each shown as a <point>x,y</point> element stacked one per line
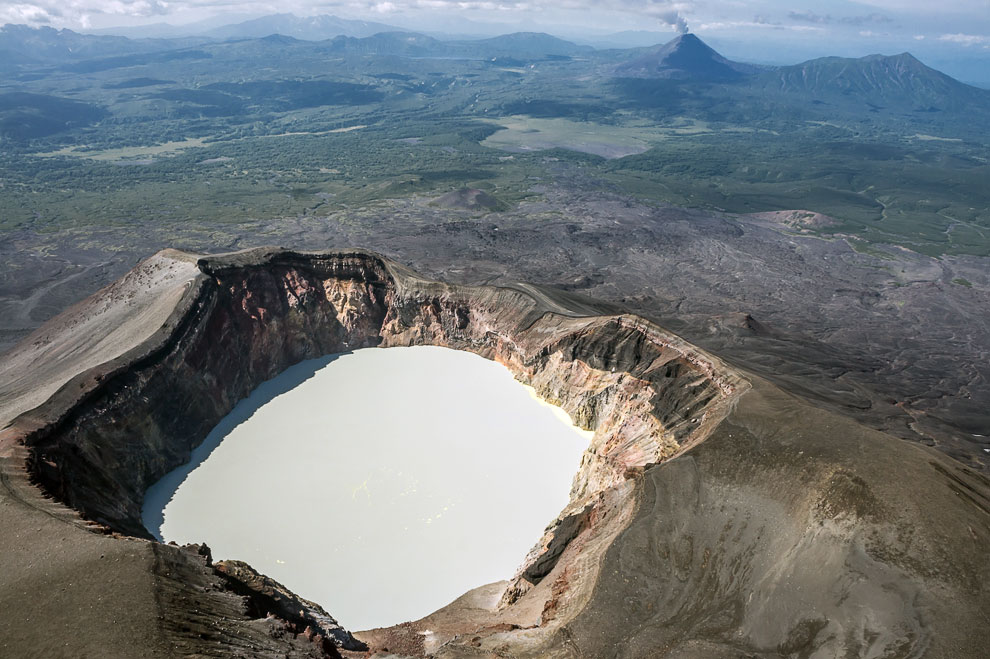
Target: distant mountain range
<point>876,80</point>
<point>625,40</point>
<point>309,28</point>
<point>972,66</point>
<point>524,45</point>
<point>527,44</point>
<point>20,44</point>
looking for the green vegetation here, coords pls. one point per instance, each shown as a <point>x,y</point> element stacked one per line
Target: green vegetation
<point>902,193</point>
<point>24,115</point>
<point>227,132</point>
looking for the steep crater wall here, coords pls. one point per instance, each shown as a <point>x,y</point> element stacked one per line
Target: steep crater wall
<point>713,515</point>
<point>248,316</point>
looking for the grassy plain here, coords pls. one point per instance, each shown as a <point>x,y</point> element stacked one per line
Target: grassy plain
<point>258,130</point>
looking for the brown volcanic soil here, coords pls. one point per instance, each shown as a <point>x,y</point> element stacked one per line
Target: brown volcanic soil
<point>889,337</point>
<point>469,199</point>
<point>714,515</point>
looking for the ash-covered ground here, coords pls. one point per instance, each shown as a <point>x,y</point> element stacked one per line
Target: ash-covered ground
<point>897,339</point>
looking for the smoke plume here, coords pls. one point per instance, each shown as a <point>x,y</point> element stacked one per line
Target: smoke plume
<point>675,20</point>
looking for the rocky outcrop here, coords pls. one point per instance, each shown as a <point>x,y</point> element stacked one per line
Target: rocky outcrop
<point>712,514</point>
<point>799,220</point>
<point>270,598</point>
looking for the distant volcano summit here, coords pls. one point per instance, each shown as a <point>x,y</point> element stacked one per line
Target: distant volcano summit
<point>685,58</point>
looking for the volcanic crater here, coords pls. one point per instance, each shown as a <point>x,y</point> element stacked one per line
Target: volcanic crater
<point>713,514</point>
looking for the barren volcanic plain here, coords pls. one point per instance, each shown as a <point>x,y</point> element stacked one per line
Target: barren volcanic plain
<point>714,515</point>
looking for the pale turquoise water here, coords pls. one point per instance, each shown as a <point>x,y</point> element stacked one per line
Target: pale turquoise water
<point>382,483</point>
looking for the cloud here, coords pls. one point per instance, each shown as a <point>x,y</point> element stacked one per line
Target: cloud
<point>46,12</point>
<point>928,7</point>
<point>671,13</point>
<point>758,22</point>
<point>675,20</point>
<point>808,17</point>
<point>796,16</point>
<point>668,12</point>
<point>966,39</point>
<point>25,14</point>
<point>825,19</point>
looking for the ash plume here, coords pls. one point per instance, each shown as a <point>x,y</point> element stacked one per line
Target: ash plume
<point>675,20</point>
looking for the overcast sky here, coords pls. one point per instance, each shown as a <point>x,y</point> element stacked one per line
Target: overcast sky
<point>956,24</point>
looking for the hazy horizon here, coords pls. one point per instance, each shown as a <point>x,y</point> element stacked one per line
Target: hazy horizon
<point>763,29</point>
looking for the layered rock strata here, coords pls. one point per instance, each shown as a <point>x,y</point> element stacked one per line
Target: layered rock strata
<point>712,514</point>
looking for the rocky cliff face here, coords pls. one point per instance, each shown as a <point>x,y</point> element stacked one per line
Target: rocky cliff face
<point>691,554</point>
<point>645,393</point>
